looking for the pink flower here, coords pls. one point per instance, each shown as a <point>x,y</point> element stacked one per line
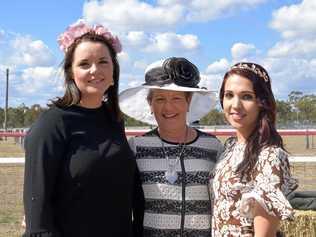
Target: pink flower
<point>74,31</point>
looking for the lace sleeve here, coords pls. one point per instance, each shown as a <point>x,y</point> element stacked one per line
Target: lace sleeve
<point>271,183</point>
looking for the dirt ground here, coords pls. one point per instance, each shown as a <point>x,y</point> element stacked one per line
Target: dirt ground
<point>11,181</point>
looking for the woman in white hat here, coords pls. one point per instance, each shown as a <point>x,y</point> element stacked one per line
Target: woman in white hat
<point>174,159</point>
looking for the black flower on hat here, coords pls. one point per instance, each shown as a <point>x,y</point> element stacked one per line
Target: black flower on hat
<point>174,70</point>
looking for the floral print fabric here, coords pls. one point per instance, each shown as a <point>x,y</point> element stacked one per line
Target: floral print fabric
<point>269,184</point>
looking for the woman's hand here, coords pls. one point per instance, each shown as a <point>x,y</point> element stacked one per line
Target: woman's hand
<point>23,224</point>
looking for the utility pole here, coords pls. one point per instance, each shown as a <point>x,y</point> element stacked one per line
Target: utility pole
<point>6,101</point>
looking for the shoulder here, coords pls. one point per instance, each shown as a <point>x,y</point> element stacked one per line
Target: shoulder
<point>49,121</point>
<point>273,155</point>
<point>209,142</point>
<point>149,138</point>
<point>49,117</point>
<point>273,151</point>
<point>151,133</point>
<point>230,142</point>
<point>208,137</point>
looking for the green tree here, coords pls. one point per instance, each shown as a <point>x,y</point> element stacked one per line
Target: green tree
<point>130,122</point>
<point>15,118</point>
<point>32,114</point>
<point>214,117</point>
<point>307,107</point>
<point>294,97</point>
<point>284,112</point>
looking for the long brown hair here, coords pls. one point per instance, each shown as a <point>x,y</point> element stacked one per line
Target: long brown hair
<point>72,95</point>
<point>264,133</point>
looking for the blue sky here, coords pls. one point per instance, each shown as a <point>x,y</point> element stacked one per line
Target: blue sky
<point>279,34</point>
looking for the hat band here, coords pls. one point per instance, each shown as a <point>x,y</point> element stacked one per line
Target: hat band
<point>167,82</point>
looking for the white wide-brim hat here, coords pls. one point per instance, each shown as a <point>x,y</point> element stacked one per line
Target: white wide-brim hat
<point>133,101</point>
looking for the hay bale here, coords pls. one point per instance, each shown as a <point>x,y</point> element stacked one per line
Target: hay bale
<point>304,225</point>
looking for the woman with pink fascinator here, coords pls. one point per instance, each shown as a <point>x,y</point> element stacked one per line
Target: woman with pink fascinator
<point>80,174</point>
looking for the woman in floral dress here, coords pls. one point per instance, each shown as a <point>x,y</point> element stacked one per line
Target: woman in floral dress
<point>252,180</point>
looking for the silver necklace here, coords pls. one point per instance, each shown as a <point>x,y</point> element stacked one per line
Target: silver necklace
<point>171,173</point>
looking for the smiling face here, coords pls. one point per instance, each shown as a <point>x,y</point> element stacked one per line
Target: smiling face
<point>240,105</point>
<point>92,70</point>
<point>169,108</point>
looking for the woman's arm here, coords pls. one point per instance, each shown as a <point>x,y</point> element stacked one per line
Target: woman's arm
<point>44,150</point>
<point>266,200</point>
<point>265,225</point>
<point>138,206</point>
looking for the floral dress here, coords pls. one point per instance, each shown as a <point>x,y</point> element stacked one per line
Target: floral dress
<point>268,184</point>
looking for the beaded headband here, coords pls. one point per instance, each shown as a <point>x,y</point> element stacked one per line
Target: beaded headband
<point>76,30</point>
<point>253,68</point>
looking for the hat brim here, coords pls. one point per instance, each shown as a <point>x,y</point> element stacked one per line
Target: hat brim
<point>133,102</point>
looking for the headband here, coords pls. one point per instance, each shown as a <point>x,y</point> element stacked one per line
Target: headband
<point>76,30</point>
<point>253,68</point>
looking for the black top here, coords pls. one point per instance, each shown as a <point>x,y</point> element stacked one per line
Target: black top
<point>80,175</point>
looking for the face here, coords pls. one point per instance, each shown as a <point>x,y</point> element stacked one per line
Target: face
<point>92,69</point>
<point>169,108</point>
<point>240,105</point>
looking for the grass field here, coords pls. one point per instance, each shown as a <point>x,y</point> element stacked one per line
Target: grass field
<point>11,209</point>
<point>11,182</point>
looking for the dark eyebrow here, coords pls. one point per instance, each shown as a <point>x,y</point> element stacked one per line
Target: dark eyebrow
<point>104,58</point>
<point>242,92</point>
<point>249,92</point>
<point>83,60</point>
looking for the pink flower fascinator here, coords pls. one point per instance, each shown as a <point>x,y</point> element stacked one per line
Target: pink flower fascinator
<point>74,31</point>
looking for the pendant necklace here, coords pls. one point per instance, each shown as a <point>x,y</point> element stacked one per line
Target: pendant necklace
<point>171,173</point>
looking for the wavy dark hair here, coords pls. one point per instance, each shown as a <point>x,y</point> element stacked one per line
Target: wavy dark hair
<point>72,95</point>
<point>264,133</point>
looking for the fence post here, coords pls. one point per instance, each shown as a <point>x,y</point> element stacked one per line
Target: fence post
<point>307,139</point>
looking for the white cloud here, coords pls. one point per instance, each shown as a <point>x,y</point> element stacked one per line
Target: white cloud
<point>137,38</point>
<point>291,61</point>
<point>157,63</point>
<point>38,80</point>
<point>134,83</point>
<point>166,42</point>
<point>2,33</point>
<point>295,48</point>
<point>296,23</point>
<point>160,42</point>
<point>242,51</point>
<point>131,80</point>
<point>205,10</point>
<point>132,15</point>
<point>136,15</point>
<point>211,81</point>
<point>36,85</point>
<point>140,64</point>
<point>289,74</point>
<point>30,52</point>
<point>171,2</point>
<point>218,66</point>
<point>296,20</point>
<point>123,56</point>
